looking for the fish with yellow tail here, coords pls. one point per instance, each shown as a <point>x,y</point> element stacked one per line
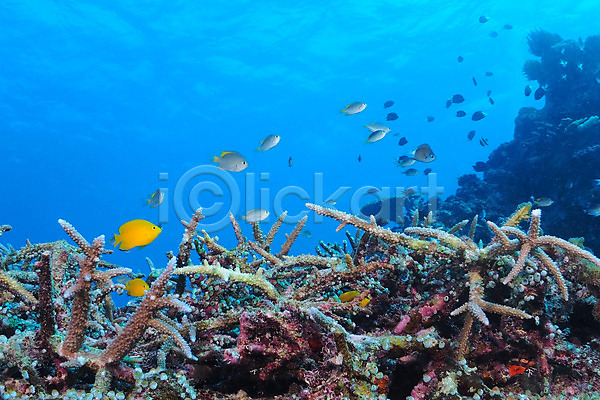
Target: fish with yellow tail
<point>354,108</point>
<point>136,287</point>
<point>231,161</point>
<point>136,233</point>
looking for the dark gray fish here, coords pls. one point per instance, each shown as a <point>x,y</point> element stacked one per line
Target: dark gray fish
<point>411,172</point>
<point>483,141</point>
<point>491,100</point>
<point>290,162</point>
<point>478,115</point>
<point>480,166</point>
<point>539,93</point>
<point>423,153</point>
<point>430,118</point>
<point>483,19</point>
<point>402,141</point>
<point>388,104</point>
<point>359,158</point>
<point>405,161</point>
<point>493,34</point>
<point>448,103</point>
<point>458,98</point>
<point>489,73</point>
<point>391,117</point>
<point>426,171</point>
<point>489,92</point>
<point>508,27</point>
<point>474,81</point>
<point>460,113</point>
<point>460,59</point>
<point>527,90</point>
<point>372,190</point>
<point>471,135</point>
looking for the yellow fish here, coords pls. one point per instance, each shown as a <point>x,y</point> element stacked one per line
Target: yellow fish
<point>348,296</point>
<point>136,287</point>
<point>137,232</point>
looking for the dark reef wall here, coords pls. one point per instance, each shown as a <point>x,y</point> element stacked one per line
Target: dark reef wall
<point>555,152</point>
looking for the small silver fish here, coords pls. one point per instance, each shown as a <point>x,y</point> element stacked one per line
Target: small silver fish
<point>423,153</point>
<point>543,202</point>
<point>255,215</point>
<point>376,136</point>
<point>156,199</point>
<point>231,161</point>
<point>269,142</point>
<point>354,108</point>
<point>374,126</point>
<point>290,162</point>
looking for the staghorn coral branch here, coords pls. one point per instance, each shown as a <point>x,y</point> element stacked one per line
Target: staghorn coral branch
<point>530,246</point>
<point>82,289</point>
<point>473,227</point>
<point>257,279</point>
<point>306,260</point>
<point>265,254</point>
<point>285,248</point>
<point>259,237</point>
<point>12,285</point>
<point>145,316</point>
<point>46,314</point>
<point>385,234</point>
<point>185,246</point>
<point>237,230</point>
<point>76,236</point>
<point>81,292</point>
<point>172,333</point>
<point>274,229</point>
<point>499,234</point>
<point>476,308</point>
<point>211,244</point>
<point>444,237</point>
<point>569,248</point>
<point>457,227</point>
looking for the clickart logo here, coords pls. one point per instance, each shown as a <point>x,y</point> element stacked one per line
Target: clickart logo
<point>218,194</point>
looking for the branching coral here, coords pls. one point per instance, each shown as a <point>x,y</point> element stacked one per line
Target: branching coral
<point>148,315</point>
<point>279,326</point>
<point>81,291</point>
<point>476,308</point>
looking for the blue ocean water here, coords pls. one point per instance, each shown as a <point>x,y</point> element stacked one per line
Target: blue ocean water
<point>103,102</point>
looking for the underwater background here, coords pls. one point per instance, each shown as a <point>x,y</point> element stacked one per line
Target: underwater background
<point>103,103</point>
<point>99,98</point>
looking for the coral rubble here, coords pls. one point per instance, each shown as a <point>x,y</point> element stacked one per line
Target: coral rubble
<point>255,323</point>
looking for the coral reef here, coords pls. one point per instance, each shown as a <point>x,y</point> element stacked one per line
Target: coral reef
<point>252,323</point>
<point>554,152</point>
